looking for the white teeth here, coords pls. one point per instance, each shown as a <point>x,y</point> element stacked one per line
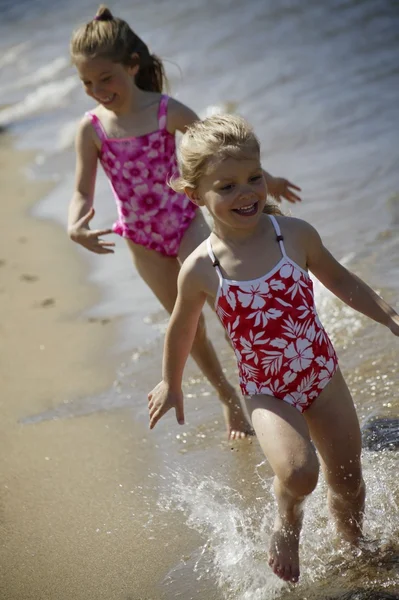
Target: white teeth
<point>247,208</point>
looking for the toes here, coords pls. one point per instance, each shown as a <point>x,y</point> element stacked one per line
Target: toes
<point>294,575</point>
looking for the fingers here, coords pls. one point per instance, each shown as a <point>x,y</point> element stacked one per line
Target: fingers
<point>180,413</point>
<point>294,186</point>
<point>156,412</point>
<point>291,197</point>
<point>97,249</point>
<point>100,232</point>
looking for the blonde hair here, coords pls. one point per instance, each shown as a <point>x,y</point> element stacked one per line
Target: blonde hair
<point>108,37</point>
<point>219,136</point>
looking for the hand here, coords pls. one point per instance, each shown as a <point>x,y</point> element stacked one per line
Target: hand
<point>81,234</point>
<point>394,325</point>
<point>280,188</point>
<point>162,399</point>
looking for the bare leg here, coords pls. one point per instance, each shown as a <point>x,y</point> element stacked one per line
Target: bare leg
<point>236,421</point>
<point>284,437</point>
<point>335,430</point>
<point>160,273</point>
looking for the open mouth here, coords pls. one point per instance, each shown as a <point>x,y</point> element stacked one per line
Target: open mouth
<point>106,100</point>
<point>247,211</point>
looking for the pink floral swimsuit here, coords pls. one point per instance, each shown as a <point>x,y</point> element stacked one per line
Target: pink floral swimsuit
<point>150,213</point>
<point>281,347</point>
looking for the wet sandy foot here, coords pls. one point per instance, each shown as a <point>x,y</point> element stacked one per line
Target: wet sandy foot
<point>236,422</point>
<point>284,551</point>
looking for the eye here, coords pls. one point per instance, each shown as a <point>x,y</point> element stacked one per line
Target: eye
<point>106,79</point>
<point>255,178</point>
<point>86,83</point>
<point>227,187</point>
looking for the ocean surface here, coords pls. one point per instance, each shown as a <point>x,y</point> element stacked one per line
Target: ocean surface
<point>320,82</point>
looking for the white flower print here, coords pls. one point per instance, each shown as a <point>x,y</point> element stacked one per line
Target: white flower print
<point>289,377</point>
<point>231,299</point>
<point>293,330</point>
<point>272,362</point>
<point>300,354</point>
<point>230,328</point>
<point>251,388</point>
<point>310,332</point>
<point>255,298</point>
<point>288,270</point>
<point>122,189</point>
<point>279,343</point>
<point>277,284</point>
<point>301,396</point>
<point>305,311</point>
<point>152,153</point>
<point>141,190</point>
<point>247,345</point>
<point>136,171</point>
<point>238,355</point>
<point>326,372</point>
<point>222,314</point>
<point>263,317</point>
<point>273,388</point>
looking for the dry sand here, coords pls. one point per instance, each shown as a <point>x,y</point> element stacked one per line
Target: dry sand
<point>68,487</point>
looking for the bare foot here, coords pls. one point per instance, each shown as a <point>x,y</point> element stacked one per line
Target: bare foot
<point>284,551</point>
<point>236,422</point>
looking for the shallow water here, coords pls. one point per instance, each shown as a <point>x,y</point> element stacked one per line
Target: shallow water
<point>319,82</point>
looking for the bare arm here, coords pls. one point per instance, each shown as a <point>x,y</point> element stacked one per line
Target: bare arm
<point>178,343</point>
<point>180,116</point>
<point>81,209</point>
<point>347,286</point>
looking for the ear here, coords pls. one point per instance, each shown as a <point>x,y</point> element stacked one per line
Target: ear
<point>192,193</point>
<point>134,66</point>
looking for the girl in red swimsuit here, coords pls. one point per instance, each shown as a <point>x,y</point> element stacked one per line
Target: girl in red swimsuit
<point>255,268</point>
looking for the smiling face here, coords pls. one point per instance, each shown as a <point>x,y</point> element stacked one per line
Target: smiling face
<point>234,191</point>
<point>108,83</point>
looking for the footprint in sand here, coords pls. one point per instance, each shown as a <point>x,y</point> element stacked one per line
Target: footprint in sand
<point>47,302</point>
<point>96,320</point>
<point>29,278</point>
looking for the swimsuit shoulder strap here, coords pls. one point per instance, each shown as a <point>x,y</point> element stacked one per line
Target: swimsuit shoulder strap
<point>279,237</point>
<point>98,128</point>
<point>163,111</point>
<point>214,260</point>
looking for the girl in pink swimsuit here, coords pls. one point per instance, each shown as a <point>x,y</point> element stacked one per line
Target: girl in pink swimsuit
<point>254,266</point>
<point>132,133</point>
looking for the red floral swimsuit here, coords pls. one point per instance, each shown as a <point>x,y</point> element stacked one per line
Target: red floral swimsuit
<point>281,347</point>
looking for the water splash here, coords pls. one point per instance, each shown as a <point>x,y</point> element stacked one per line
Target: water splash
<point>237,534</point>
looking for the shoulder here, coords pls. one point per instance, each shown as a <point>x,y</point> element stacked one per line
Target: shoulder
<point>302,234</point>
<point>196,271</point>
<point>180,116</point>
<point>295,226</point>
<point>85,134</point>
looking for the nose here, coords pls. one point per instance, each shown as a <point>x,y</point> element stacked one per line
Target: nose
<point>96,90</point>
<point>245,190</point>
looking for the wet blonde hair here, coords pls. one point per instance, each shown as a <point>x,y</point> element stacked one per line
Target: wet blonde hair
<point>217,137</point>
<point>108,37</point>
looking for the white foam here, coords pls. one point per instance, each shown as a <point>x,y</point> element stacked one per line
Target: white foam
<point>41,75</point>
<point>48,96</point>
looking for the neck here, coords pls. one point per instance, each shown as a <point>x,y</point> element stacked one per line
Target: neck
<point>133,104</point>
<point>239,236</point>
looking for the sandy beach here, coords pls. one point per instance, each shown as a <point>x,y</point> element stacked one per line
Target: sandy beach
<point>67,522</point>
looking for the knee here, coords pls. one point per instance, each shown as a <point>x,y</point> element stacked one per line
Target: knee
<point>301,479</point>
<point>347,483</point>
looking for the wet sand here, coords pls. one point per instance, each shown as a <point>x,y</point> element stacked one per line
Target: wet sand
<point>69,487</point>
